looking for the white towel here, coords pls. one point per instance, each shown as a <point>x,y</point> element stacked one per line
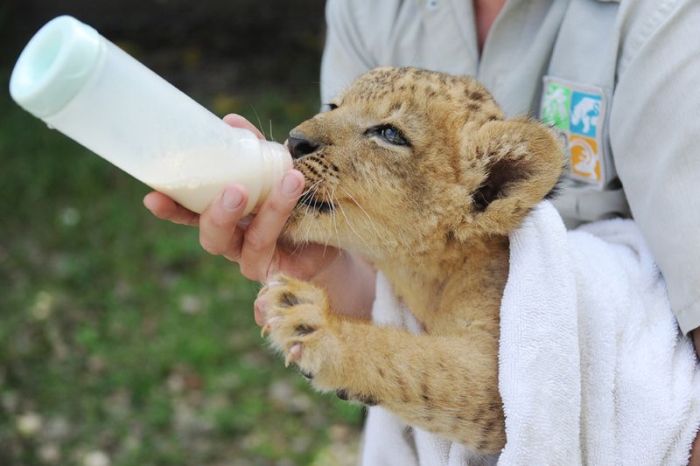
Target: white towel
<point>593,369</point>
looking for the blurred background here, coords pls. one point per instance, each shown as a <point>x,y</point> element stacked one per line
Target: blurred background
<point>121,341</point>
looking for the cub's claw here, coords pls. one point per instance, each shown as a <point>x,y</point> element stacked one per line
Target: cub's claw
<point>267,328</point>
<point>293,355</point>
<point>293,317</point>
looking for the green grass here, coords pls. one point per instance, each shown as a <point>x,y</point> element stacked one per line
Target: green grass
<point>119,335</point>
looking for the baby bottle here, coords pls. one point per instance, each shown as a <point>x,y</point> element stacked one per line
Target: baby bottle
<point>83,85</point>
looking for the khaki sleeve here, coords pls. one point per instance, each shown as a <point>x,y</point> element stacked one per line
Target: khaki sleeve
<point>655,137</point>
<point>345,55</point>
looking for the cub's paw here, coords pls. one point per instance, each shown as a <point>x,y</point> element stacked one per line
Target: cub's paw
<point>294,316</point>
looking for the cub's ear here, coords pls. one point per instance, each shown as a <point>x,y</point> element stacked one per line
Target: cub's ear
<point>514,164</point>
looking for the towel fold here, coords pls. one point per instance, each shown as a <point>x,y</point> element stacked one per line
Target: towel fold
<point>592,367</point>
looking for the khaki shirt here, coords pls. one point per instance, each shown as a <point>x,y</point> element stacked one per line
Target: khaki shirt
<point>620,80</point>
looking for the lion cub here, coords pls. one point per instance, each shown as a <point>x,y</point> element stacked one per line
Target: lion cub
<point>418,172</point>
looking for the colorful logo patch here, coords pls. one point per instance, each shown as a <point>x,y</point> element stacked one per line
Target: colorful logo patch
<point>584,160</point>
<point>585,113</point>
<point>556,105</point>
<point>577,112</point>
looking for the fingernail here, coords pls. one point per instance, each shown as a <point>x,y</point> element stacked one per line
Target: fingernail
<point>290,184</point>
<point>232,199</point>
<point>148,202</point>
<point>245,221</point>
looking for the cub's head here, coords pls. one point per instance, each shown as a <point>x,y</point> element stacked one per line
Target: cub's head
<point>406,159</point>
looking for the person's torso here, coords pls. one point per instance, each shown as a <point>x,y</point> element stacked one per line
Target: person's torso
<point>552,59</point>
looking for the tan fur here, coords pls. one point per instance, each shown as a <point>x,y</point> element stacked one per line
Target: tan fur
<point>434,218</point>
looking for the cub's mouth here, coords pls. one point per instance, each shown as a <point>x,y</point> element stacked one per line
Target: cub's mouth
<point>315,203</point>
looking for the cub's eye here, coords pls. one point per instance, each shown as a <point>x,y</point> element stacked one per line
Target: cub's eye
<point>330,107</point>
<point>390,134</point>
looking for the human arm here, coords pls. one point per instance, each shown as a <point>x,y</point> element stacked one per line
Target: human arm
<point>695,450</point>
<point>654,131</point>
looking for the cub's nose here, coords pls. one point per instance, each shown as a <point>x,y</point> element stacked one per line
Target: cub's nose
<point>300,146</point>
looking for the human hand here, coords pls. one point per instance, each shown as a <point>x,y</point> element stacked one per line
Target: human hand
<point>252,242</point>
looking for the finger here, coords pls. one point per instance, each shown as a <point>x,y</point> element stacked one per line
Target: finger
<point>217,224</point>
<point>238,121</point>
<point>165,208</point>
<point>233,251</point>
<point>260,238</point>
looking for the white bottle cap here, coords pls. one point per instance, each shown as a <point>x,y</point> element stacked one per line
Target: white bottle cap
<point>55,65</point>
